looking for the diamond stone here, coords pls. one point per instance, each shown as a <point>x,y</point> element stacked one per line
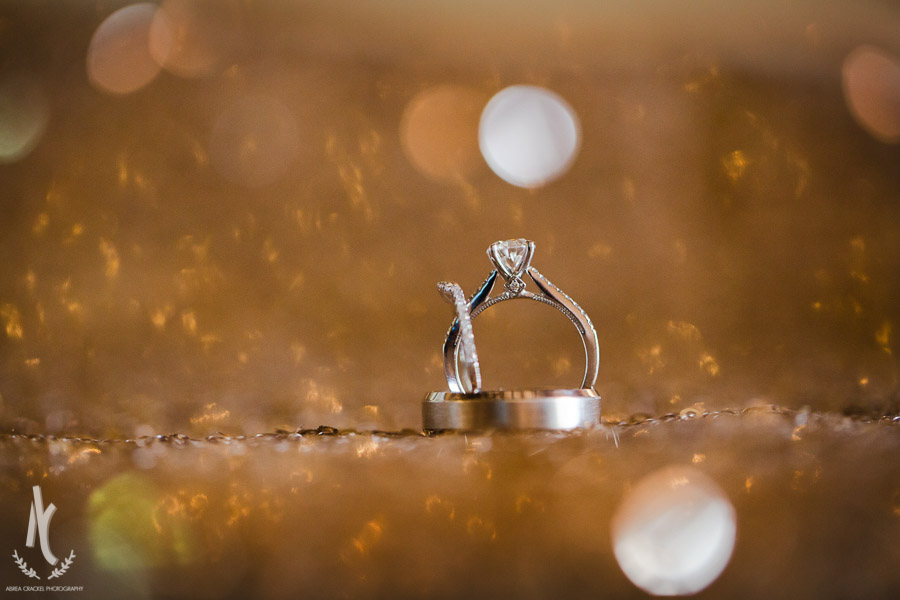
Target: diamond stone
<point>512,253</point>
<point>515,285</point>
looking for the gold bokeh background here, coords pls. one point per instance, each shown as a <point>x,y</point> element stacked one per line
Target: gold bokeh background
<point>728,224</point>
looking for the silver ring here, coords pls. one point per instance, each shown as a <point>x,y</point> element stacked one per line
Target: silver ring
<point>511,410</point>
<point>511,260</point>
<point>466,406</point>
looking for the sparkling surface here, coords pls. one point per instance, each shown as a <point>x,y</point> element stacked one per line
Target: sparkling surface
<point>373,514</point>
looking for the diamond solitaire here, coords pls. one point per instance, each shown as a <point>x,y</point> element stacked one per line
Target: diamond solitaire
<point>511,254</point>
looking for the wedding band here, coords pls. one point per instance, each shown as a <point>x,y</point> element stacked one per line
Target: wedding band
<point>511,410</point>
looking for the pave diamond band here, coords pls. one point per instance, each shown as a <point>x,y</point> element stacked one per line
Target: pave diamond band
<point>468,355</point>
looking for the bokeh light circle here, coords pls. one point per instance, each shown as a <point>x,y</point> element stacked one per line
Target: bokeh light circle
<point>871,79</point>
<point>193,38</point>
<point>528,135</point>
<point>674,532</point>
<point>254,141</point>
<point>439,131</point>
<point>118,58</point>
<point>24,113</point>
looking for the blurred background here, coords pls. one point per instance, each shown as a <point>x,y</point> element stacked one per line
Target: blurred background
<point>226,219</point>
<point>231,215</point>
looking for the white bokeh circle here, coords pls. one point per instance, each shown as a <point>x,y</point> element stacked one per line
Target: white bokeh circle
<point>529,135</point>
<point>118,58</point>
<point>674,532</point>
<point>194,38</point>
<point>871,79</point>
<point>254,141</point>
<point>24,112</point>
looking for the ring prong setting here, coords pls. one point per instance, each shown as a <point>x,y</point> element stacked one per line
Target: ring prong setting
<point>512,258</point>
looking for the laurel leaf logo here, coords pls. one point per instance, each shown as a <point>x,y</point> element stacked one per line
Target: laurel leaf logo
<point>23,566</point>
<point>64,566</point>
